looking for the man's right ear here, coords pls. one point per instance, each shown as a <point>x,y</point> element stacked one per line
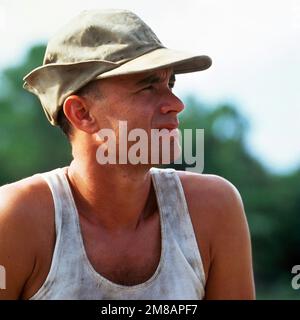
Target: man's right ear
<point>77,111</point>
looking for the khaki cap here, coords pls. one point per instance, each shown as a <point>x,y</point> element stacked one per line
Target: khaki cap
<point>99,44</point>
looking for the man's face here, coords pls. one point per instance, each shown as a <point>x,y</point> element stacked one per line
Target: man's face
<point>145,101</point>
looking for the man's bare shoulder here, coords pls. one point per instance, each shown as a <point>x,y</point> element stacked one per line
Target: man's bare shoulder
<point>25,208</point>
<point>211,192</point>
<point>21,199</point>
<point>215,206</point>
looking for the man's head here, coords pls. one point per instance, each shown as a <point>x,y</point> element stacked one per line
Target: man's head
<point>100,44</point>
<point>144,101</point>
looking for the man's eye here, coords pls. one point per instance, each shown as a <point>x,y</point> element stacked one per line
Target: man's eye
<point>148,88</point>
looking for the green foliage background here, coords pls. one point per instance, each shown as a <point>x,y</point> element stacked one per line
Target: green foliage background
<point>29,144</point>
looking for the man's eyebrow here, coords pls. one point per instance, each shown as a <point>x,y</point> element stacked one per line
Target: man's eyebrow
<point>153,78</point>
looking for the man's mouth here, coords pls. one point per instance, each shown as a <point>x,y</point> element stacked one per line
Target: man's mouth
<point>169,126</point>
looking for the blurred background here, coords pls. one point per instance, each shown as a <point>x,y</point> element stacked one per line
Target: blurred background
<point>247,102</point>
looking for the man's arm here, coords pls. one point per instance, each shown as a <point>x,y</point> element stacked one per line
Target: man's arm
<point>17,253</point>
<point>231,273</point>
<point>223,236</point>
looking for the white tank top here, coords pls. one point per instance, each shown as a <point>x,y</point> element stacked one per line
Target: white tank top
<point>179,274</point>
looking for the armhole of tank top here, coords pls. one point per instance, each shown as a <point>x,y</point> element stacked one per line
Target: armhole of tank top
<point>190,230</point>
<point>50,179</point>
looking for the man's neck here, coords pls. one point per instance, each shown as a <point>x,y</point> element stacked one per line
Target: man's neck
<point>116,197</point>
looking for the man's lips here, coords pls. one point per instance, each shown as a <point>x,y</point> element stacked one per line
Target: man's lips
<point>169,126</point>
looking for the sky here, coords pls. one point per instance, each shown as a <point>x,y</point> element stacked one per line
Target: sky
<point>254,46</point>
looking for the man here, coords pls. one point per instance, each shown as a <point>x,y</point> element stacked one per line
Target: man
<point>123,230</point>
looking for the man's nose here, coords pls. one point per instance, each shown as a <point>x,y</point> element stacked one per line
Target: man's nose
<point>172,103</point>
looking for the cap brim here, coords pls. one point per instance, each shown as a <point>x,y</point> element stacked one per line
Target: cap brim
<point>181,62</point>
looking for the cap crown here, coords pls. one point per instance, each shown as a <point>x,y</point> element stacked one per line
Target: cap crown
<point>111,35</point>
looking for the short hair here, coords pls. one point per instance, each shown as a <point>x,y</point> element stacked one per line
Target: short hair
<point>91,90</point>
<point>64,123</point>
